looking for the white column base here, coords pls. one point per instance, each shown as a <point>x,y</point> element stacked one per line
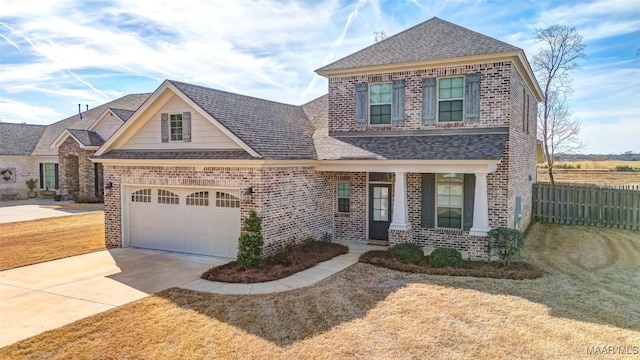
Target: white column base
<point>479,231</point>
<point>402,227</point>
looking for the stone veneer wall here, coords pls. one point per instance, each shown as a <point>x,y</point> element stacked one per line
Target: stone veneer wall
<point>77,178</point>
<point>494,97</point>
<point>294,203</point>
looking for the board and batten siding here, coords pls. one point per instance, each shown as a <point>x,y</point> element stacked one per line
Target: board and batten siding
<point>204,135</point>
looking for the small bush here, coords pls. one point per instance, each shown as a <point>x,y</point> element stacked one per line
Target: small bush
<point>407,253</point>
<point>626,168</point>
<point>505,243</point>
<point>442,257</point>
<point>250,242</point>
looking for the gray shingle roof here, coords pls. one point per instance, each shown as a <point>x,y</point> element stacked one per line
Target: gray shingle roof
<point>274,130</point>
<point>430,40</point>
<point>128,102</point>
<point>177,154</point>
<point>450,145</point>
<point>123,114</point>
<point>19,139</point>
<point>87,138</point>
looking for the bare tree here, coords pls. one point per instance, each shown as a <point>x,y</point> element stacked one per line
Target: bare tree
<point>558,57</point>
<point>379,36</point>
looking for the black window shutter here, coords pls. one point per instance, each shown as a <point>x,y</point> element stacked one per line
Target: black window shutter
<point>164,127</point>
<point>56,175</point>
<point>472,97</point>
<point>428,100</point>
<point>397,102</point>
<point>186,126</point>
<point>428,203</point>
<point>41,176</point>
<point>362,105</point>
<point>469,196</point>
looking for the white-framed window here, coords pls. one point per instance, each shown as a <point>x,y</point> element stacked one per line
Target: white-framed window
<point>226,200</point>
<point>380,96</point>
<point>449,200</point>
<point>167,197</point>
<point>175,127</point>
<point>200,198</point>
<point>142,195</point>
<point>344,196</point>
<point>450,99</point>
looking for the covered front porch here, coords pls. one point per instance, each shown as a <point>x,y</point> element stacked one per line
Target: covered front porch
<point>433,203</point>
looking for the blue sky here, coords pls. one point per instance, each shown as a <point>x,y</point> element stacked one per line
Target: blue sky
<point>59,53</point>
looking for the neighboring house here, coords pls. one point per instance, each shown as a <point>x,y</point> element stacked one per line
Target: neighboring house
<point>57,155</point>
<point>427,136</point>
<point>17,142</point>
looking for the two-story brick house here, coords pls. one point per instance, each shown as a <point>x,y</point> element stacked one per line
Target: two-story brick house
<point>427,136</point>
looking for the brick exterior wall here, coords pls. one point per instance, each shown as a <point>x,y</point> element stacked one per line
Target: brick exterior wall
<point>77,174</point>
<point>494,97</point>
<point>294,203</point>
<point>351,226</point>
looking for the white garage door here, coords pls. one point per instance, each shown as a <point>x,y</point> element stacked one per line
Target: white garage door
<point>195,221</point>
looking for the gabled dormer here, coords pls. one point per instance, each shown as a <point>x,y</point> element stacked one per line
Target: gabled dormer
<point>433,75</point>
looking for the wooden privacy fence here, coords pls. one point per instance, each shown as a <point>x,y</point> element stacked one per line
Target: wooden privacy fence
<point>582,204</point>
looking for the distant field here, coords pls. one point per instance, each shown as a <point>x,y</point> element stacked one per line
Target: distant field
<point>590,164</point>
<point>593,172</point>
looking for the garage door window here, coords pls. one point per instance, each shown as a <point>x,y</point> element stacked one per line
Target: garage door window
<point>143,195</point>
<point>226,200</point>
<point>167,197</point>
<point>200,198</point>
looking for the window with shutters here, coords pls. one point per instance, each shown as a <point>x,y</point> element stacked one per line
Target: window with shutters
<point>449,200</point>
<point>380,104</point>
<point>200,198</point>
<point>175,127</point>
<point>344,196</point>
<point>143,195</point>
<point>450,99</point>
<point>226,200</point>
<point>167,197</point>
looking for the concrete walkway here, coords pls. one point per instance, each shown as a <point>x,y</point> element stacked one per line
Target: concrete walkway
<point>298,280</point>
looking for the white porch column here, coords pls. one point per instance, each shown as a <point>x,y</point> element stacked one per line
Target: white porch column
<point>400,216</point>
<point>480,207</point>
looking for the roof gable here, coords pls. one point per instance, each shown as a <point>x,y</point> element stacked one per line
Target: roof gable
<point>431,40</point>
<point>88,118</point>
<point>272,129</point>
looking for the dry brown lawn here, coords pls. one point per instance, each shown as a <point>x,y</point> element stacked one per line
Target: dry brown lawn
<point>31,242</point>
<point>588,297</point>
<point>591,177</point>
<point>600,164</point>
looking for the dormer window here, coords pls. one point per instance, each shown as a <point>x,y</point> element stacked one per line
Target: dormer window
<point>380,104</point>
<point>175,124</point>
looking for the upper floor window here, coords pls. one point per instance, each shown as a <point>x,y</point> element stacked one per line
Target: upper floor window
<point>175,127</point>
<point>380,104</point>
<point>450,97</point>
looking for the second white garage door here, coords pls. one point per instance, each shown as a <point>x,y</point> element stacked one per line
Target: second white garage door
<point>195,221</point>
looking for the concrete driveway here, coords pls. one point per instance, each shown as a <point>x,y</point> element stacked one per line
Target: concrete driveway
<point>33,209</point>
<point>45,296</point>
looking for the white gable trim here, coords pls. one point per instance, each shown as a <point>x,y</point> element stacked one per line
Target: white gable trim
<point>66,134</point>
<point>159,97</point>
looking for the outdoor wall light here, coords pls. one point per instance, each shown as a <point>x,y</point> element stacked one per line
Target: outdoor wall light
<point>108,186</point>
<point>248,191</point>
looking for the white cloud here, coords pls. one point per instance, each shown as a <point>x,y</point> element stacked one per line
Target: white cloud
<point>19,112</point>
